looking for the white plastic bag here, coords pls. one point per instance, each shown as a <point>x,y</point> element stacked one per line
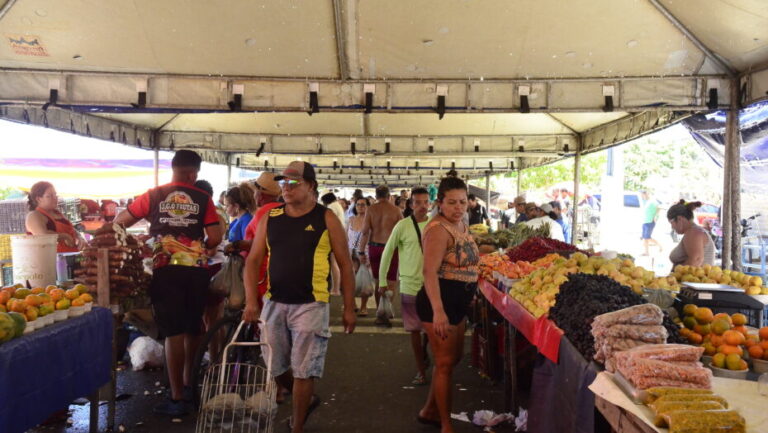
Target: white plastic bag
<point>146,352</point>
<point>385,306</point>
<point>363,282</point>
<point>228,282</point>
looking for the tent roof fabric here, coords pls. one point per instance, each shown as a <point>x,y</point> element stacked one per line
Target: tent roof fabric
<point>488,85</point>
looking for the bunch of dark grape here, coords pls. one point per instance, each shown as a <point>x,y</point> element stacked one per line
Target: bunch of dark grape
<point>673,331</point>
<point>583,297</point>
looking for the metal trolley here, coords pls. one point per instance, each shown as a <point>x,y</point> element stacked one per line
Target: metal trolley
<point>238,396</point>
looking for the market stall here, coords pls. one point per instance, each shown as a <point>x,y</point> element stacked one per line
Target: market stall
<point>599,309</point>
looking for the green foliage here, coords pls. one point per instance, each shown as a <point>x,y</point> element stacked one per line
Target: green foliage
<point>6,193</point>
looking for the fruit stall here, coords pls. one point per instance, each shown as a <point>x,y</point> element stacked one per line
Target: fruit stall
<point>614,338</point>
<point>57,331</point>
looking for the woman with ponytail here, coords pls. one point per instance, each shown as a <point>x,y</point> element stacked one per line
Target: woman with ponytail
<point>239,205</point>
<point>696,248</point>
<point>44,218</point>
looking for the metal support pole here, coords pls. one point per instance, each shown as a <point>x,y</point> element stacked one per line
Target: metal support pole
<point>157,167</point>
<point>519,182</point>
<point>576,182</point>
<point>488,191</point>
<point>733,138</point>
<point>229,170</point>
<point>725,208</point>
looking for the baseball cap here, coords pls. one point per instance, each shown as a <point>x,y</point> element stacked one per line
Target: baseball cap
<point>266,182</point>
<point>546,207</point>
<point>297,170</point>
<point>519,200</point>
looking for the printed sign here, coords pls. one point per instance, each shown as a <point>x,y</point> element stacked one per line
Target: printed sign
<point>27,45</point>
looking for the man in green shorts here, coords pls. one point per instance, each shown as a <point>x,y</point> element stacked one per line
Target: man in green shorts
<point>650,212</point>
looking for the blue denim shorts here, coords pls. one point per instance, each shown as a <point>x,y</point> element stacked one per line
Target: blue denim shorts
<point>298,337</point>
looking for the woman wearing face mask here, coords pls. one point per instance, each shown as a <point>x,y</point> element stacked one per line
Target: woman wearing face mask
<point>44,218</point>
<point>450,282</point>
<point>696,248</point>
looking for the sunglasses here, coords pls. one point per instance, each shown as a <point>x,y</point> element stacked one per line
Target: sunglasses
<point>289,183</point>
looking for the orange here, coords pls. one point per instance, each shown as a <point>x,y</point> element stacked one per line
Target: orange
<point>37,290</point>
<point>17,305</point>
<point>33,300</point>
<point>742,329</point>
<point>727,349</point>
<point>704,315</point>
<point>752,340</point>
<point>689,309</point>
<point>743,365</point>
<point>716,340</point>
<point>695,338</point>
<point>56,294</point>
<point>756,352</point>
<point>724,316</point>
<point>720,325</point>
<point>763,333</point>
<point>764,345</point>
<point>685,332</point>
<point>734,338</point>
<point>4,297</point>
<point>72,294</point>
<point>702,329</point>
<point>710,350</point>
<point>739,319</point>
<point>10,289</point>
<point>78,302</point>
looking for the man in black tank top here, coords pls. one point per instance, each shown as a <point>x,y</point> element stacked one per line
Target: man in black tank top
<point>300,237</point>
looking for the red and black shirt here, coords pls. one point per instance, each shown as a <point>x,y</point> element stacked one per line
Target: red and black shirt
<point>178,214</point>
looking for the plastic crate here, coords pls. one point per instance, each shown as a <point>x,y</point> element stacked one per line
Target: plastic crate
<point>5,247</point>
<point>13,214</point>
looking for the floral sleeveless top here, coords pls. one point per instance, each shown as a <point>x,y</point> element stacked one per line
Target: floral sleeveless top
<point>461,257</point>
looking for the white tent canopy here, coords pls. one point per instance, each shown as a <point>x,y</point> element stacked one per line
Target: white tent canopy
<point>520,83</point>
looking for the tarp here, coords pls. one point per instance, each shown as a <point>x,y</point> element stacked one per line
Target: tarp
<point>709,131</point>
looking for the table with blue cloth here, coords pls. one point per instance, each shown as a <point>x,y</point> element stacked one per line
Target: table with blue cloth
<point>43,372</point>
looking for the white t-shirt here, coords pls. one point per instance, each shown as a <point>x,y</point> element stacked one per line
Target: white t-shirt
<point>337,210</point>
<point>555,230</point>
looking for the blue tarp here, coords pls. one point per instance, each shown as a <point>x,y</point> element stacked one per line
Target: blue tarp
<point>43,372</point>
<point>709,131</point>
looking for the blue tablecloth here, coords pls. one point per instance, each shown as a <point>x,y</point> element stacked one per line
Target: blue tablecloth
<point>44,371</point>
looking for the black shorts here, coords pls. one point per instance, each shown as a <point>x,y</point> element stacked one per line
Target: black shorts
<point>178,296</point>
<point>456,297</point>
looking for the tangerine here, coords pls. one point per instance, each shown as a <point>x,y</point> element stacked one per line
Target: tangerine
<point>695,338</point>
<point>724,316</point>
<point>742,329</point>
<point>716,340</point>
<point>734,338</point>
<point>33,300</point>
<point>690,309</point>
<point>739,319</point>
<point>764,345</point>
<point>720,325</point>
<point>4,297</point>
<point>763,333</point>
<point>704,315</point>
<point>728,349</point>
<point>756,352</point>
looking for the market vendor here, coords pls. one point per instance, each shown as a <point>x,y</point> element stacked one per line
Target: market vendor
<point>44,218</point>
<point>696,248</point>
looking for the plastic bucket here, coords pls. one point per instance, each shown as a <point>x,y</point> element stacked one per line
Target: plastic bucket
<point>34,259</point>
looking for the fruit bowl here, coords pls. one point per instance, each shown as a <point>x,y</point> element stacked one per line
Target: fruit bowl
<point>60,315</point>
<point>31,326</point>
<point>760,366</point>
<point>41,322</point>
<point>729,374</point>
<point>76,311</point>
<point>48,319</point>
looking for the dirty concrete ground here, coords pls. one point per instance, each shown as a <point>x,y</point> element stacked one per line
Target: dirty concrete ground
<point>366,388</point>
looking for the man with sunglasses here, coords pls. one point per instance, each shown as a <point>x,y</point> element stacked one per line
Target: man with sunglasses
<point>300,237</point>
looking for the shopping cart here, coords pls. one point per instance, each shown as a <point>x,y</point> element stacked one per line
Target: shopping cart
<point>238,395</point>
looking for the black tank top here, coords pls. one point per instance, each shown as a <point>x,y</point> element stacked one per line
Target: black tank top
<point>299,257</point>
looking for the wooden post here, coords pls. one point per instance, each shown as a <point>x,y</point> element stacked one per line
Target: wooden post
<point>576,183</point>
<point>733,141</point>
<point>102,291</point>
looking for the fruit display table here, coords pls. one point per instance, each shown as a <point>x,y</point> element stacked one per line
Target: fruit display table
<point>541,332</point>
<point>43,372</point>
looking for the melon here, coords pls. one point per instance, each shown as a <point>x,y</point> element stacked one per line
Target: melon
<point>7,327</point>
<point>20,322</point>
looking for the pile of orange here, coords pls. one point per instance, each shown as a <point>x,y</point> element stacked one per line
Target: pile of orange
<point>723,334</point>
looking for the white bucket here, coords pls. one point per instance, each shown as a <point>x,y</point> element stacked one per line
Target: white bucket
<point>34,259</point>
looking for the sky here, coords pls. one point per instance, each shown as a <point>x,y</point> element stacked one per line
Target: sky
<point>20,141</point>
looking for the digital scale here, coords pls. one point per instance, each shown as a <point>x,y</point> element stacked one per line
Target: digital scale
<point>722,298</point>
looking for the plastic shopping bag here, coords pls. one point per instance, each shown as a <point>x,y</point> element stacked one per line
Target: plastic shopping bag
<point>385,306</point>
<point>228,282</point>
<point>145,353</point>
<point>363,282</point>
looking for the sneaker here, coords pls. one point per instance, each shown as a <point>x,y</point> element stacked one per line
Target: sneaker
<point>173,408</point>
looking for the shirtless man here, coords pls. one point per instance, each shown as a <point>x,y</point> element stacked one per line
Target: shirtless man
<point>379,221</point>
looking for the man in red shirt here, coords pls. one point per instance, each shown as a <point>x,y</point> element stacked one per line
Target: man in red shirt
<point>184,225</point>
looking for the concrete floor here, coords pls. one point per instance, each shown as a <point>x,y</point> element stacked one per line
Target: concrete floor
<point>366,388</point>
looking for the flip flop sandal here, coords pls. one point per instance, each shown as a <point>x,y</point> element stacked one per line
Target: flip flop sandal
<point>419,380</point>
<point>362,313</point>
<point>428,421</point>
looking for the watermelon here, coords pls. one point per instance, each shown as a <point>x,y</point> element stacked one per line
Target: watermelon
<point>7,327</point>
<point>20,323</point>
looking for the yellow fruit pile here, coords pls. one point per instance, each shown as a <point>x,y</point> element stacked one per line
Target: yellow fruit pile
<point>752,285</point>
<point>39,302</point>
<point>537,291</point>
